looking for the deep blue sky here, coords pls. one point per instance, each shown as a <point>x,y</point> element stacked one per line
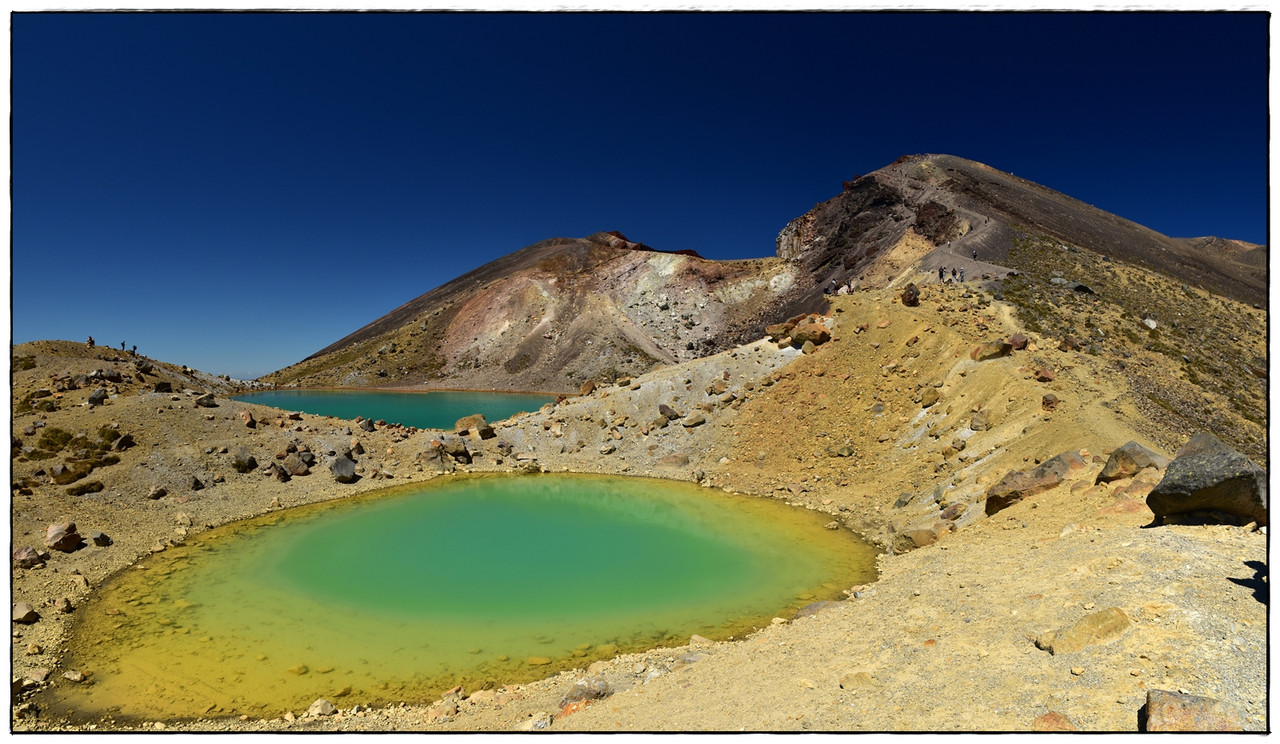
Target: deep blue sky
<point>236,191</point>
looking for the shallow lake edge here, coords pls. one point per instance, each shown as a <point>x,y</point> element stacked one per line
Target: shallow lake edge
<point>233,526</point>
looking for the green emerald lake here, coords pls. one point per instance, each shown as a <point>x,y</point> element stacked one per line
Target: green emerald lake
<point>425,410</point>
<point>401,595</point>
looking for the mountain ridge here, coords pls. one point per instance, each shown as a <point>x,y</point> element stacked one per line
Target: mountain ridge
<point>637,306</point>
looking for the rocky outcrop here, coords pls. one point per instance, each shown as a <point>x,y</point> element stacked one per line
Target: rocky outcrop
<point>1209,482</point>
<point>1127,460</point>
<point>1018,485</point>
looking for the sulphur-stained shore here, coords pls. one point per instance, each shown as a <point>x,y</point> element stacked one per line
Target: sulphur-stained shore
<point>1062,611</point>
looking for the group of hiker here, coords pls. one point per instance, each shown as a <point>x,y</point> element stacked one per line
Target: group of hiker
<point>134,351</point>
<point>957,273</point>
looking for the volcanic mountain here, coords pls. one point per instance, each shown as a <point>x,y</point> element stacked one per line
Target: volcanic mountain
<point>558,313</point>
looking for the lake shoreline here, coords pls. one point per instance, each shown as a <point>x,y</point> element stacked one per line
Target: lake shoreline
<point>399,390</point>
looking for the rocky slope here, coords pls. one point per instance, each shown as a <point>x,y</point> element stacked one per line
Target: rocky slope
<point>900,427</point>
<point>965,206</point>
<point>554,315</point>
<point>561,312</point>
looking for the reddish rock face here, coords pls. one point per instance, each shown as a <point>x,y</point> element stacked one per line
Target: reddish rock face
<point>1017,484</point>
<point>1172,711</point>
<point>1053,721</point>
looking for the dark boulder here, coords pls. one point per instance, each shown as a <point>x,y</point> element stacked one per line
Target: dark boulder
<point>344,470</point>
<point>1128,459</point>
<point>294,464</point>
<point>366,424</point>
<point>163,387</point>
<point>1018,341</point>
<point>243,462</point>
<point>122,443</point>
<point>457,449</point>
<point>206,401</point>
<point>1210,483</point>
<point>435,461</point>
<point>911,295</point>
<point>97,397</point>
<point>671,413</point>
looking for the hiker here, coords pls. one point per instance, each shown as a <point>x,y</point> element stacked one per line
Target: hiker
<point>134,351</point>
<point>962,273</point>
<point>942,273</point>
<point>121,346</point>
<point>953,273</point>
<point>91,342</point>
<point>975,254</point>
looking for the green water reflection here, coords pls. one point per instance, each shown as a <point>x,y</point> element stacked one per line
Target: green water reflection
<point>463,581</point>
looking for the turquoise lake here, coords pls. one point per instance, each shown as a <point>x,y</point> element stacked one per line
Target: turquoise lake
<point>474,581</point>
<point>425,410</point>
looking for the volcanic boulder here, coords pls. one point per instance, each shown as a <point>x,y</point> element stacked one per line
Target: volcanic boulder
<point>1128,459</point>
<point>1018,485</point>
<point>1209,482</point>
